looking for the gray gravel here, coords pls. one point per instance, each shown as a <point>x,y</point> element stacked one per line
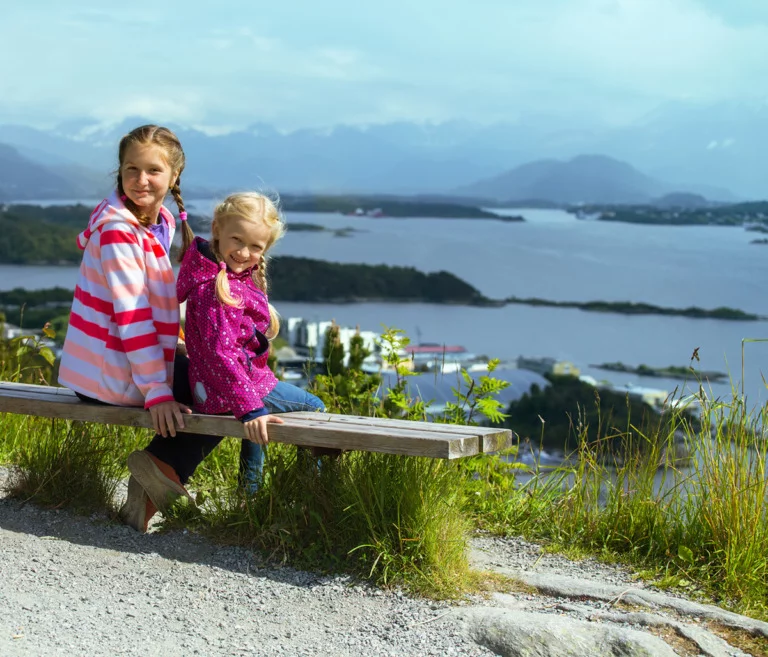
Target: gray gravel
<point>85,586</point>
<point>513,554</point>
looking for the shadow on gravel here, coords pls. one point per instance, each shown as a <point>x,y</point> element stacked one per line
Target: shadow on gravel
<point>104,534</point>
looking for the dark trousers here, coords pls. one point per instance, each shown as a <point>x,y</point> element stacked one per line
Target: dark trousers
<point>184,451</point>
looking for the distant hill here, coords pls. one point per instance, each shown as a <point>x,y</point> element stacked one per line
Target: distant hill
<point>716,151</point>
<point>21,179</point>
<point>682,200</point>
<point>584,179</point>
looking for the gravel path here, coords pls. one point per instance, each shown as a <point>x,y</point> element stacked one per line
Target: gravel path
<point>80,586</point>
<point>84,586</point>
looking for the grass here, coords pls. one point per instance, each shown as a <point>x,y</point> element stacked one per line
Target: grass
<point>698,524</point>
<point>392,520</point>
<point>59,463</point>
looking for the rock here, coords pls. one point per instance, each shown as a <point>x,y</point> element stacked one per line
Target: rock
<point>567,587</point>
<point>522,634</point>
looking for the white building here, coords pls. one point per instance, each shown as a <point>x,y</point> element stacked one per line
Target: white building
<point>309,337</point>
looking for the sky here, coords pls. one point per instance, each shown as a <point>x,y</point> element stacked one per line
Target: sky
<point>228,64</point>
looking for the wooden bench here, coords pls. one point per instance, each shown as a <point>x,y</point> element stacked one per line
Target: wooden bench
<point>446,441</point>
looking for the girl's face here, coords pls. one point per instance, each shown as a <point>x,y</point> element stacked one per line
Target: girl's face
<point>242,242</point>
<point>147,177</point>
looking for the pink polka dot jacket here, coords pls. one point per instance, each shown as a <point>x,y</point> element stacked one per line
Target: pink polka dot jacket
<point>227,349</point>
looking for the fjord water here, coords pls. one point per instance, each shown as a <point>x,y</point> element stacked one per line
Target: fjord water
<point>552,255</point>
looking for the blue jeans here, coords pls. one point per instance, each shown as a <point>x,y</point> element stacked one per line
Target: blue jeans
<point>284,398</point>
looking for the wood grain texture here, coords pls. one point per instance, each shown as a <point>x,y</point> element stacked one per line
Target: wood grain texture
<point>308,429</point>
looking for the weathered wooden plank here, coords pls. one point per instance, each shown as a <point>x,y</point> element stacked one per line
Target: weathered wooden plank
<point>310,429</point>
<point>492,439</point>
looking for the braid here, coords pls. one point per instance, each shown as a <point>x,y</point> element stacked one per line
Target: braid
<point>187,236</point>
<point>260,279</point>
<point>260,275</point>
<point>223,292</point>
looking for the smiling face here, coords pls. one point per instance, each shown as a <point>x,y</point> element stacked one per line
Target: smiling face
<point>241,242</point>
<point>146,177</point>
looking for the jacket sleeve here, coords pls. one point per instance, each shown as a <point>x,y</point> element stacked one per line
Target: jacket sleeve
<point>124,267</point>
<point>227,369</point>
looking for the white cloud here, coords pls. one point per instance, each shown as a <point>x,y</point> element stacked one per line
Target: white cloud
<point>235,62</point>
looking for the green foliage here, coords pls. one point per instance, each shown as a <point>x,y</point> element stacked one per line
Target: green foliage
<point>346,389</point>
<point>478,399</point>
<point>403,521</point>
<point>357,351</point>
<point>397,403</point>
<point>35,235</point>
<point>395,520</point>
<point>704,528</point>
<point>333,351</point>
<point>36,308</point>
<point>303,279</point>
<point>389,519</point>
<point>59,463</point>
<point>26,360</point>
<point>558,416</point>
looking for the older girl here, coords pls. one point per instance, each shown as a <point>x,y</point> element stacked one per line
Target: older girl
<point>124,324</point>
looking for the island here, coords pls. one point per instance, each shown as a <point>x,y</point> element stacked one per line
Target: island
<point>35,235</point>
<point>639,308</point>
<point>670,372</point>
<point>301,227</point>
<point>391,207</point>
<point>753,215</point>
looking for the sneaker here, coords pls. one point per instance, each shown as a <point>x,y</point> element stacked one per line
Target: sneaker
<point>160,482</point>
<point>138,508</point>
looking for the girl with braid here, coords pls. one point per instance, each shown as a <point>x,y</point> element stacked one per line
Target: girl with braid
<point>123,330</point>
<point>229,322</point>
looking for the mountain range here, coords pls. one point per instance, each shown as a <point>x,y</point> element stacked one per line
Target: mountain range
<point>713,150</point>
<point>583,179</point>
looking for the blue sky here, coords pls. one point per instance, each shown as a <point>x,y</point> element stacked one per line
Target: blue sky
<point>226,64</point>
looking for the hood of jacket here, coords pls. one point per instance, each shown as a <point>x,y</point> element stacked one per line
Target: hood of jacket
<point>112,208</point>
<point>199,266</point>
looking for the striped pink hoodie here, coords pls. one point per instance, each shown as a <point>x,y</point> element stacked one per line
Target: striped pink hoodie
<point>124,322</point>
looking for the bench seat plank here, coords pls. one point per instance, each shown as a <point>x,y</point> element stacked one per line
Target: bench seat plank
<point>492,439</point>
<point>306,429</point>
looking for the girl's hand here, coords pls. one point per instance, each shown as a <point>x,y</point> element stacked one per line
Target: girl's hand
<point>164,414</point>
<point>256,429</point>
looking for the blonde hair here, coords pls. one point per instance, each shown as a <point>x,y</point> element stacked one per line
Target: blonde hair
<point>255,207</point>
<point>155,135</point>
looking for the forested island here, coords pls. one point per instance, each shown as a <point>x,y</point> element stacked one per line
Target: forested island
<point>670,372</point>
<point>34,235</point>
<point>318,281</point>
<point>753,215</point>
<point>386,206</point>
<point>633,308</point>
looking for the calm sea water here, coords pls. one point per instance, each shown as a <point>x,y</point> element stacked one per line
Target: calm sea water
<point>554,256</point>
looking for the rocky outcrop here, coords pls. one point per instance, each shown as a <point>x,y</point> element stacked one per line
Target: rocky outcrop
<point>567,608</point>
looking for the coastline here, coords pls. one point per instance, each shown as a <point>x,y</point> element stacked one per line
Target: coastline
<point>626,308</point>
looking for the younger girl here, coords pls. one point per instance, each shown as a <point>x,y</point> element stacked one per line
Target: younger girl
<point>124,324</point>
<point>229,323</point>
